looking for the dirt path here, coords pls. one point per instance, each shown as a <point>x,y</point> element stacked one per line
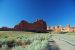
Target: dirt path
<point>63,45</point>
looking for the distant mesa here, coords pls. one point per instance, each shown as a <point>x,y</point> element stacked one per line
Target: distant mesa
<point>37,26</point>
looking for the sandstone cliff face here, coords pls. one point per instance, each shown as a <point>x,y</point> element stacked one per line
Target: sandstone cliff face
<point>38,26</point>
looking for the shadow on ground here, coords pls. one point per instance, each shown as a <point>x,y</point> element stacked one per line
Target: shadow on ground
<point>52,45</point>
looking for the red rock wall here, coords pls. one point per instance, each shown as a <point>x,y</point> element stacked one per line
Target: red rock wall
<point>39,26</point>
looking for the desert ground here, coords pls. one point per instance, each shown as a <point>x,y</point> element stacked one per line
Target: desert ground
<point>21,40</point>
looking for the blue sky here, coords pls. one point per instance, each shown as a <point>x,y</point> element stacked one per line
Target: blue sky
<point>54,12</point>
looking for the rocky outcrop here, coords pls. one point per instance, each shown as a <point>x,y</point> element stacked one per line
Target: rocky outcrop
<point>38,26</point>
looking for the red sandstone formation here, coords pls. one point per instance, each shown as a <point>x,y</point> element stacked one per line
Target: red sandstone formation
<point>38,26</point>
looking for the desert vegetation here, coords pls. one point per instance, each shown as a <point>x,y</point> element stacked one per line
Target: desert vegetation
<point>15,40</point>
